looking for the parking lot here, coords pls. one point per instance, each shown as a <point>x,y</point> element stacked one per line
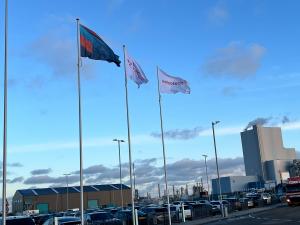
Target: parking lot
<point>282,215</point>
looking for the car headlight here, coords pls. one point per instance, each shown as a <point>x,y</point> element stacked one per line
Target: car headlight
<point>288,200</point>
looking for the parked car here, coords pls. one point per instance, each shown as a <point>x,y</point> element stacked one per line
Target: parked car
<point>204,201</point>
<point>40,219</point>
<point>126,215</point>
<point>266,197</point>
<point>101,218</point>
<point>187,211</point>
<point>249,202</point>
<point>160,214</point>
<point>17,220</point>
<point>234,203</point>
<point>218,203</point>
<point>63,221</point>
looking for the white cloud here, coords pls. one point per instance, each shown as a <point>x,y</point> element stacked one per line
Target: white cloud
<point>236,60</point>
<point>218,13</point>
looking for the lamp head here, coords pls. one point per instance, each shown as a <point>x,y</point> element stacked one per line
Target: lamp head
<point>216,122</point>
<point>115,139</point>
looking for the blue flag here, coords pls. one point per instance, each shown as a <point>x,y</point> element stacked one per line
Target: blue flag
<point>93,47</point>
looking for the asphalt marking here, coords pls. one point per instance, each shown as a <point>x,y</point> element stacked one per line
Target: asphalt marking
<point>274,219</point>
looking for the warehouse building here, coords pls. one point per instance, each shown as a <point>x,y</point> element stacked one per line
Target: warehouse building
<point>58,199</point>
<point>232,184</point>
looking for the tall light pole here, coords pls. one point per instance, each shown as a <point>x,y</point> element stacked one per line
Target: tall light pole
<point>67,179</point>
<point>219,183</point>
<point>133,171</point>
<point>119,147</point>
<point>205,156</point>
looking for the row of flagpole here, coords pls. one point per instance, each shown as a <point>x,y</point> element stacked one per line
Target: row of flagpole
<point>90,43</point>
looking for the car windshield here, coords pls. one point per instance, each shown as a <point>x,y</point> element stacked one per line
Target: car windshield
<point>23,221</point>
<point>100,216</point>
<point>215,203</point>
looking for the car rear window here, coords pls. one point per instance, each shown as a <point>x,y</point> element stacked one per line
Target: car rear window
<point>100,216</point>
<point>23,221</point>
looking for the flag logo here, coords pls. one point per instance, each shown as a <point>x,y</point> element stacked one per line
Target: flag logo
<point>134,71</point>
<point>172,85</point>
<point>93,47</point>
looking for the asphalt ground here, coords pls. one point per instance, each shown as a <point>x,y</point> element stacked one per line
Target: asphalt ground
<point>281,215</point>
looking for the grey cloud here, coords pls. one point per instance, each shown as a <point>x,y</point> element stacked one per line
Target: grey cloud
<point>148,173</point>
<point>180,134</point>
<point>285,119</point>
<point>236,60</point>
<point>45,179</point>
<point>57,51</point>
<point>258,121</point>
<point>59,54</point>
<point>16,164</point>
<point>95,169</point>
<point>16,180</point>
<point>41,171</point>
<point>268,120</point>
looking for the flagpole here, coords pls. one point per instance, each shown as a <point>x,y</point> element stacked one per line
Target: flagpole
<point>163,145</point>
<point>129,143</point>
<point>80,123</point>
<point>4,120</point>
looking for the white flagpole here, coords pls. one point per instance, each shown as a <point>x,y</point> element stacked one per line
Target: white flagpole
<point>80,124</point>
<point>163,145</point>
<point>5,120</point>
<point>129,144</point>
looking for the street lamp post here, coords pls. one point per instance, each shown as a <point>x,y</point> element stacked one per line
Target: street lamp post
<point>119,147</point>
<point>67,179</point>
<point>205,156</point>
<point>219,183</point>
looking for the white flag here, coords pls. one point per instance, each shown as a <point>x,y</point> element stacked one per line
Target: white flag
<point>134,71</point>
<point>172,85</point>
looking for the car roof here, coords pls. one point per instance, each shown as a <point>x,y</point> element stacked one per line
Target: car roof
<point>67,218</point>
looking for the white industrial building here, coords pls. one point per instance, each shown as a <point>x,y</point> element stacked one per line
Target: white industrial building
<point>232,184</point>
<point>264,154</point>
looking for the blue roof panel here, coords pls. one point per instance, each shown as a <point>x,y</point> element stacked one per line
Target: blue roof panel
<point>76,189</point>
<point>44,191</point>
<point>26,192</point>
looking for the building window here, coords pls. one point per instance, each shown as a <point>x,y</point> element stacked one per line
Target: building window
<point>92,204</point>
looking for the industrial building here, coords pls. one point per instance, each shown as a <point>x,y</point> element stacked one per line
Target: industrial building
<point>267,161</point>
<point>232,184</point>
<point>264,154</point>
<point>58,199</point>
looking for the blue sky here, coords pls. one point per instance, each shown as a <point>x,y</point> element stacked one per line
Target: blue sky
<point>239,57</point>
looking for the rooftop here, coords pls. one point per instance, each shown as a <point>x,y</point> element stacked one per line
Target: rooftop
<point>71,189</point>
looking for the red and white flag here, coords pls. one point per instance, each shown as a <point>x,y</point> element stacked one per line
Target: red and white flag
<point>134,71</point>
<point>172,85</point>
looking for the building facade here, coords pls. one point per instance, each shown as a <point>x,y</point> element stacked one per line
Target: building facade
<point>232,184</point>
<point>59,199</point>
<point>264,154</point>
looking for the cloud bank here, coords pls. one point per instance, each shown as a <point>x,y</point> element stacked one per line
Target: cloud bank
<point>235,60</point>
